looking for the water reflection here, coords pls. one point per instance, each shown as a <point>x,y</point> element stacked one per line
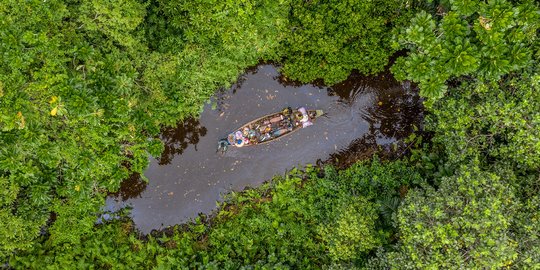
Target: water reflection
<point>363,113</point>
<point>177,139</point>
<point>130,188</point>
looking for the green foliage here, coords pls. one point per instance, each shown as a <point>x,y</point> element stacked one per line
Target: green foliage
<point>484,215</point>
<point>527,231</point>
<point>306,221</point>
<point>492,121</point>
<point>465,224</point>
<point>482,40</point>
<point>245,30</point>
<point>352,232</point>
<point>328,39</point>
<point>61,139</point>
<point>84,84</point>
<point>297,227</point>
<point>106,246</point>
<point>496,123</point>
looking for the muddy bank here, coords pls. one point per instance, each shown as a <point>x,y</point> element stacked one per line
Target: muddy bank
<point>363,114</point>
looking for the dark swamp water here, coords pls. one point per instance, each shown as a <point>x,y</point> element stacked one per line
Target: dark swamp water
<point>364,112</point>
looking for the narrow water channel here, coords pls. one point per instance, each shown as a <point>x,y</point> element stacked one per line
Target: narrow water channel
<point>190,176</point>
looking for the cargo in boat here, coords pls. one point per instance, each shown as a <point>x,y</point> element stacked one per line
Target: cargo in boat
<point>270,127</point>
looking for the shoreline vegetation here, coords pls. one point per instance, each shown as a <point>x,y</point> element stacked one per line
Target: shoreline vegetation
<point>83,84</point>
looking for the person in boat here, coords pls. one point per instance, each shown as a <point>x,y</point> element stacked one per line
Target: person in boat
<point>239,139</point>
<point>284,116</point>
<point>297,118</point>
<point>252,135</point>
<point>284,126</point>
<point>288,118</point>
<point>304,117</point>
<point>287,124</point>
<point>253,140</point>
<point>287,112</point>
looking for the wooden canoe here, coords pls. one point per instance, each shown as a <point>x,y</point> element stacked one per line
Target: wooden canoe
<point>271,127</point>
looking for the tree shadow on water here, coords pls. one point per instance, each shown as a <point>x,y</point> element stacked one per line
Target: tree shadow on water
<point>177,139</point>
<point>130,188</point>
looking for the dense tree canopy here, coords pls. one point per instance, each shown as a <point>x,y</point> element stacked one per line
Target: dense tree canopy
<point>66,115</point>
<point>328,39</point>
<point>300,221</point>
<point>85,87</point>
<point>489,115</point>
<point>82,90</point>
<point>494,120</point>
<point>483,40</point>
<point>464,224</point>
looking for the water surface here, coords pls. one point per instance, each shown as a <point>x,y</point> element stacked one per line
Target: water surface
<point>190,176</point>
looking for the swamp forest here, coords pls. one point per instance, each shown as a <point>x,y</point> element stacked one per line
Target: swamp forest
<point>427,155</point>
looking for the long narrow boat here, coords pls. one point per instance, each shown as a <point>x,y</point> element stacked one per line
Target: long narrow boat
<point>270,127</point>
